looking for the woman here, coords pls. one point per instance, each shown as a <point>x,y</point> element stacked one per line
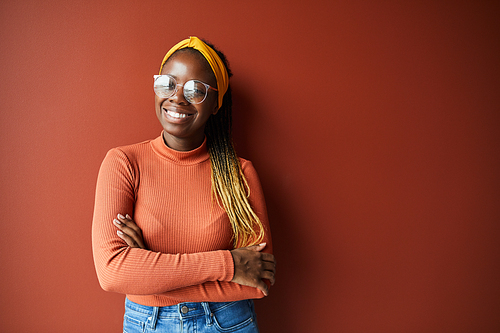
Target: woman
<point>198,247</point>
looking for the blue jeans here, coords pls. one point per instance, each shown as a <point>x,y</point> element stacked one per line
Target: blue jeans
<point>204,317</point>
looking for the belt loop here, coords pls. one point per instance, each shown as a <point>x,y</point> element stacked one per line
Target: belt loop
<point>154,317</point>
<point>208,313</point>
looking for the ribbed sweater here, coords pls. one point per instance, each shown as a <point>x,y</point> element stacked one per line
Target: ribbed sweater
<point>188,235</point>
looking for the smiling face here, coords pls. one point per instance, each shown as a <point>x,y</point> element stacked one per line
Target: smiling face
<point>184,123</point>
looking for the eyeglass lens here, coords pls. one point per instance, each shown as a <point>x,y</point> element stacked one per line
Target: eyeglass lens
<point>195,92</point>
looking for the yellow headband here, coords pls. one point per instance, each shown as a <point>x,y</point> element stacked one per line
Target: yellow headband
<point>213,59</point>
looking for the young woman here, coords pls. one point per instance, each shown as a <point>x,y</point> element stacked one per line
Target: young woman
<point>180,223</point>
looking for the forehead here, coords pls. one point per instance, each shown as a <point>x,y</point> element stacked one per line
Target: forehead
<point>186,66</point>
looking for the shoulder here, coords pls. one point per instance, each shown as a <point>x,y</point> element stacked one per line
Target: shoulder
<point>129,152</point>
<point>246,165</point>
<point>249,170</point>
<point>125,159</point>
<point>256,195</point>
<point>134,148</point>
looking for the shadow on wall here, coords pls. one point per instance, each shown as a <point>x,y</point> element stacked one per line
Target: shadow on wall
<point>292,266</point>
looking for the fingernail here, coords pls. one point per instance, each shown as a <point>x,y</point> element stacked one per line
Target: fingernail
<point>262,244</point>
<point>120,216</point>
<point>128,216</point>
<point>119,232</point>
<point>116,221</point>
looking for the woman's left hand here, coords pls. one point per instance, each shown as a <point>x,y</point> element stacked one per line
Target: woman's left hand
<point>129,231</point>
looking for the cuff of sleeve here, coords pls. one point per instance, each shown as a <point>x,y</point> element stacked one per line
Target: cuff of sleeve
<point>228,266</point>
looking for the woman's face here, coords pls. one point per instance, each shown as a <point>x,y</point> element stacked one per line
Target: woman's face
<point>184,123</point>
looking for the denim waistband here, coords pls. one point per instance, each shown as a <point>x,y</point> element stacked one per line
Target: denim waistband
<point>183,310</point>
<point>234,314</point>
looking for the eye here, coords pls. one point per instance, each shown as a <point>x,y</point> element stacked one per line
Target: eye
<point>195,88</point>
<point>169,84</point>
<point>199,92</point>
<point>165,82</point>
<point>165,86</point>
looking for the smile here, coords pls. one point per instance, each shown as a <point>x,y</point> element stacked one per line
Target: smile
<point>176,114</point>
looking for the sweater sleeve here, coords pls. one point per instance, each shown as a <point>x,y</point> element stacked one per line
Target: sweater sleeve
<point>136,271</point>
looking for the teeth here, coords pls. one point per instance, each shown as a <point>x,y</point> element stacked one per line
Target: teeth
<point>177,115</point>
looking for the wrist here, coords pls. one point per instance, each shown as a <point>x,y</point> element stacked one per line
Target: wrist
<point>228,266</point>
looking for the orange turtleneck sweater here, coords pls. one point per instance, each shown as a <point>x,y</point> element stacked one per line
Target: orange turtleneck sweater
<point>168,194</point>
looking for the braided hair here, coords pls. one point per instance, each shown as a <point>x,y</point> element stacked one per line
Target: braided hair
<point>229,186</point>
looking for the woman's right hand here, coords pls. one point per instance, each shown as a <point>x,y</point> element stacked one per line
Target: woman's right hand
<point>129,231</point>
<point>251,266</point>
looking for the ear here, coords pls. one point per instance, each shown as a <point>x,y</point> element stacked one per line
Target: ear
<point>216,108</point>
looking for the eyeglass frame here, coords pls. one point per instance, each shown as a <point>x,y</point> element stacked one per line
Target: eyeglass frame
<point>207,87</point>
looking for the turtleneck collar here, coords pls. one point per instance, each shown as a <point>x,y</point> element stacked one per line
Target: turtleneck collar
<point>190,157</point>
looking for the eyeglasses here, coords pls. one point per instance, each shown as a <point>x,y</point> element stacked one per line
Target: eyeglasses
<point>195,92</point>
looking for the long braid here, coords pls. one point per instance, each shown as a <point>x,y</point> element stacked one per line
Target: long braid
<point>228,182</point>
<point>229,185</point>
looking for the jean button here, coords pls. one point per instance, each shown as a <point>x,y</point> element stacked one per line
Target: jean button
<point>184,309</point>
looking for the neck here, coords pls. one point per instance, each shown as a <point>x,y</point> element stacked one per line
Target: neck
<point>182,144</point>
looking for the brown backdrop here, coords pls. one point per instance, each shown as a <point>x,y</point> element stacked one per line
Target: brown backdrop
<point>374,126</point>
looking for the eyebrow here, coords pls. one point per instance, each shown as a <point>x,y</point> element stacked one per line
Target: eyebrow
<point>177,79</point>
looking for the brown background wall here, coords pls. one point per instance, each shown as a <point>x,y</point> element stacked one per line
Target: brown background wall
<point>374,126</point>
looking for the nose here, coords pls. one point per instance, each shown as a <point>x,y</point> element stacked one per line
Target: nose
<point>178,96</point>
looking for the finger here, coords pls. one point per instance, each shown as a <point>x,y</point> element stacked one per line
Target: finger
<point>256,248</point>
<point>268,257</point>
<point>130,242</point>
<point>118,224</point>
<point>127,220</point>
<point>268,266</point>
<point>263,287</point>
<point>269,275</point>
<point>124,220</point>
<point>129,232</point>
<point>124,227</point>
